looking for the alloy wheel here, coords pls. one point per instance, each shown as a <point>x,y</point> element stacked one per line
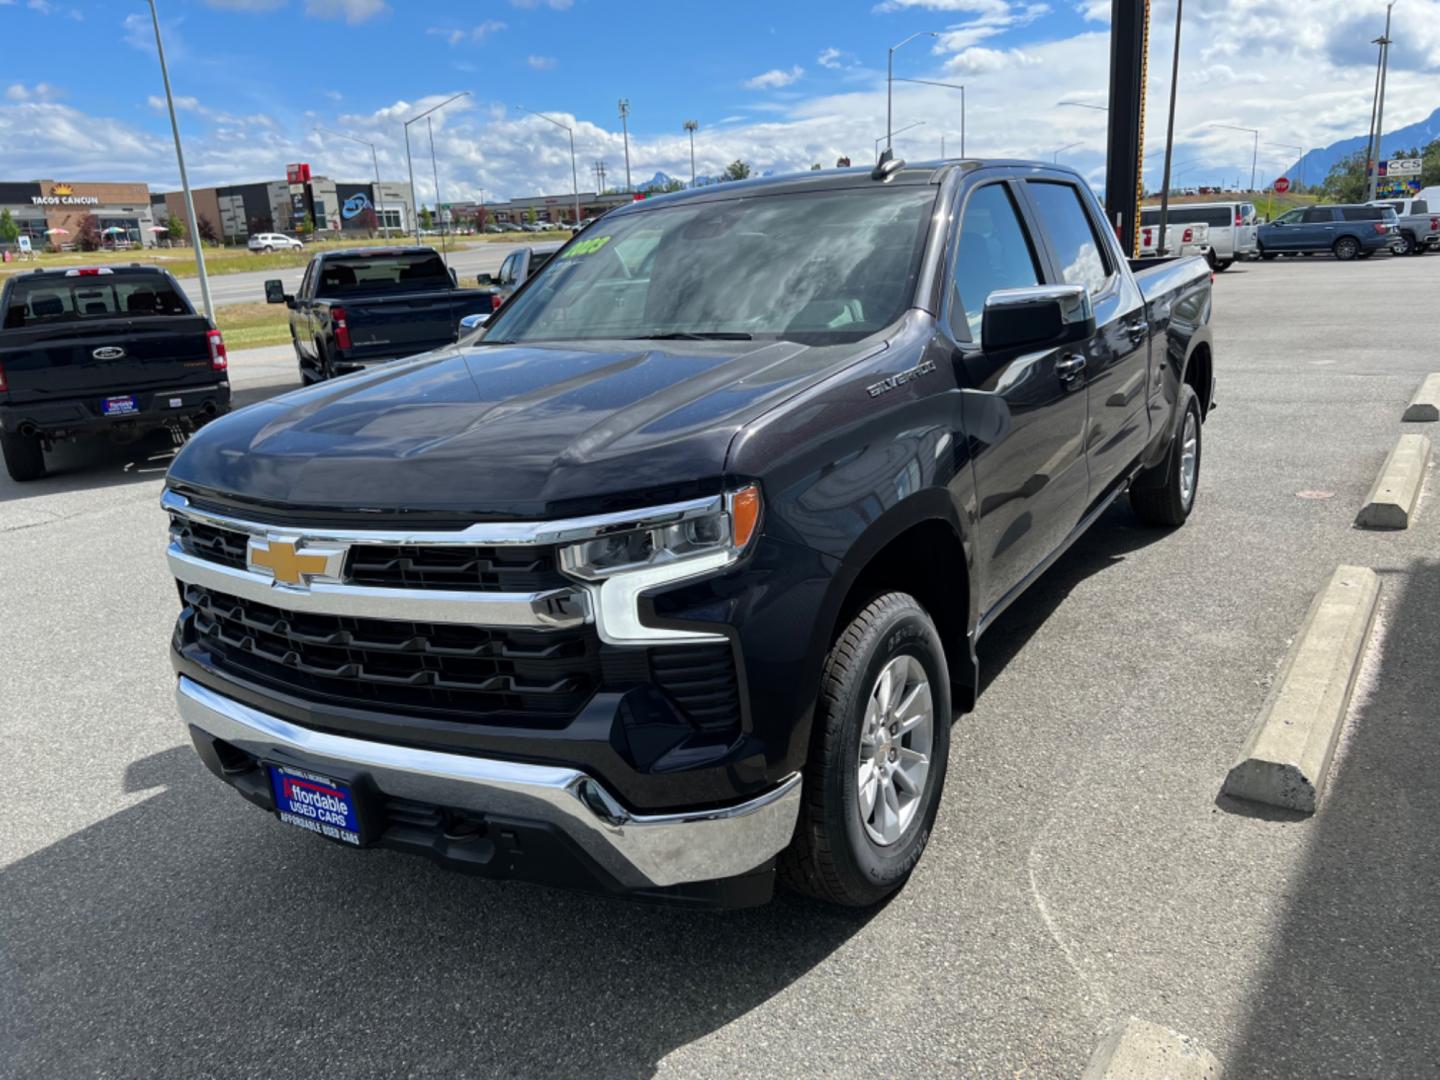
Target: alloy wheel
<point>896,738</point>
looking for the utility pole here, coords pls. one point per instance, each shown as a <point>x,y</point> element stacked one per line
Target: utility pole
<point>1170,131</point>
<point>692,126</point>
<point>625,127</point>
<point>410,164</point>
<point>890,77</point>
<point>440,212</point>
<point>184,180</point>
<point>1374,154</point>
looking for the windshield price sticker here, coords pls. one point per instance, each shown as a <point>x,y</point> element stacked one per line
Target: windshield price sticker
<point>586,247</point>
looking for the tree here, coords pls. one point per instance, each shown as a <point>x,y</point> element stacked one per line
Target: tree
<point>530,215</point>
<point>177,231</point>
<point>480,219</point>
<point>206,228</point>
<point>815,167</point>
<point>87,233</point>
<point>427,219</point>
<point>842,163</point>
<point>370,220</point>
<point>306,225</point>
<point>9,231</point>
<point>736,170</point>
<point>1347,180</point>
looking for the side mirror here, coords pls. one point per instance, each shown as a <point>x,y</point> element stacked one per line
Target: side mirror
<point>484,279</point>
<point>455,281</point>
<point>473,322</point>
<point>275,293</point>
<point>1039,317</point>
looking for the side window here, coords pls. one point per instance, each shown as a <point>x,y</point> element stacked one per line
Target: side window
<point>307,280</point>
<point>1078,249</point>
<point>1290,217</point>
<point>507,270</point>
<point>1419,206</point>
<point>993,253</point>
<point>1317,214</point>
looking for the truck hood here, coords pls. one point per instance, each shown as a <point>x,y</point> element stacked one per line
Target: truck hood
<point>506,431</point>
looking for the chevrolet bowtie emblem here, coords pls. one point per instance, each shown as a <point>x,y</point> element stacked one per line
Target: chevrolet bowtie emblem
<point>290,565</point>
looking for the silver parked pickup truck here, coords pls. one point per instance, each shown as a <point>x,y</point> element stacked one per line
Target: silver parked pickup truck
<point>1418,228</point>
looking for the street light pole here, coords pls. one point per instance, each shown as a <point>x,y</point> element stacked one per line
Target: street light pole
<point>1384,42</point>
<point>184,179</point>
<point>890,77</point>
<point>574,173</point>
<point>1290,146</point>
<point>947,86</point>
<point>374,160</point>
<point>625,127</point>
<point>692,126</point>
<point>1170,132</point>
<point>439,213</point>
<point>1055,158</point>
<point>410,164</point>
<point>886,137</point>
<point>1255,150</point>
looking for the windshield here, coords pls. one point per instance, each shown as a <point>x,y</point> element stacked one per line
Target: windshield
<point>821,267</point>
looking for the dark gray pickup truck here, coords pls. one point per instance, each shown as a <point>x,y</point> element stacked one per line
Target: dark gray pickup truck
<point>367,306</point>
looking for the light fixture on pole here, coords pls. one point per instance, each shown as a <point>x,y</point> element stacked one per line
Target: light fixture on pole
<point>1301,161</point>
<point>890,77</point>
<point>1055,158</point>
<point>574,174</point>
<point>625,127</point>
<point>886,137</point>
<point>184,179</point>
<point>1254,153</point>
<point>692,126</point>
<point>409,162</point>
<point>947,86</point>
<point>375,160</point>
<point>1085,105</point>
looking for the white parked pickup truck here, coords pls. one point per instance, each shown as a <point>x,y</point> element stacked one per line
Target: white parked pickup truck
<point>1419,225</point>
<point>1180,239</point>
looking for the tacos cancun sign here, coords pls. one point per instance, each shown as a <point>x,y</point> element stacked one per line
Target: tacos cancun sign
<point>64,195</point>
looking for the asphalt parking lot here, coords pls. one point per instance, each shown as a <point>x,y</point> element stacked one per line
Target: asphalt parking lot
<point>1083,870</point>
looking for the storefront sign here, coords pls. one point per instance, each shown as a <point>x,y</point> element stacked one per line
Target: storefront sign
<point>64,195</point>
<point>355,205</point>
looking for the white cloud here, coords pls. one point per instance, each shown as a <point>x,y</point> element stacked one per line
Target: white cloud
<point>352,11</point>
<point>540,63</point>
<point>1094,10</point>
<point>972,7</point>
<point>334,95</point>
<point>39,92</point>
<point>774,79</point>
<point>476,33</point>
<point>245,5</point>
<point>830,58</point>
<point>183,103</point>
<point>977,60</point>
<point>558,5</point>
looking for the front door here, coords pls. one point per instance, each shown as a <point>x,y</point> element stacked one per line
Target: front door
<point>1024,417</point>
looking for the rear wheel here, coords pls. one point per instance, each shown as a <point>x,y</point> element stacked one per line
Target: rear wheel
<point>1346,248</point>
<point>1167,496</point>
<point>24,456</point>
<point>1268,254</point>
<point>1223,265</point>
<point>268,249</point>
<point>877,759</point>
<point>1403,244</point>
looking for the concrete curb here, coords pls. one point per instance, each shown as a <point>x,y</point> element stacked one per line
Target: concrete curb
<point>1140,1050</point>
<point>1425,405</point>
<point>1288,757</point>
<point>1392,500</point>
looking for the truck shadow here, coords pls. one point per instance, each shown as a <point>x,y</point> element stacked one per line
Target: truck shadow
<point>1350,988</point>
<point>1106,544</point>
<point>191,935</point>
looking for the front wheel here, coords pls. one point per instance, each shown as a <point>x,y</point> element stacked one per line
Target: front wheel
<point>1346,248</point>
<point>1223,265</point>
<point>268,249</point>
<point>24,456</point>
<point>877,758</point>
<point>1167,495</point>
<point>1268,254</point>
<point>1402,245</point>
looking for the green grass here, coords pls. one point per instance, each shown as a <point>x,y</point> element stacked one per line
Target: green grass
<point>250,326</point>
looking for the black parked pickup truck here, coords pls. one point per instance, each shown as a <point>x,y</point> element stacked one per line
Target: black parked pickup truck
<point>110,351</point>
<point>673,578</point>
<point>373,305</point>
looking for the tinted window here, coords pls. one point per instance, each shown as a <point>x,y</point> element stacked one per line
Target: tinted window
<point>1317,214</point>
<point>1077,248</point>
<point>383,271</point>
<point>56,299</point>
<point>820,267</point>
<point>1290,217</point>
<point>993,253</point>
<point>1365,213</point>
<point>1419,206</point>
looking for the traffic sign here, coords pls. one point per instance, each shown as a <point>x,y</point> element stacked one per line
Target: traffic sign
<point>1282,185</point>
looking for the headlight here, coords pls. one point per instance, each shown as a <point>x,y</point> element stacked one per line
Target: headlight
<point>622,565</point>
<point>725,532</point>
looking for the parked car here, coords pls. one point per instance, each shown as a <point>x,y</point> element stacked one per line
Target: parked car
<point>1179,240</point>
<point>517,268</point>
<point>110,352</point>
<point>366,306</point>
<point>1347,232</point>
<point>678,574</point>
<point>1417,227</point>
<point>1231,225</point>
<point>271,241</point>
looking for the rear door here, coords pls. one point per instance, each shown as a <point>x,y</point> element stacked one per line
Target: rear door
<point>1117,358</point>
<point>100,334</point>
<point>1025,423</point>
<point>1316,231</point>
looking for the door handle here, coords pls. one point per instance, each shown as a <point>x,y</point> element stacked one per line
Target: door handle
<point>1069,367</point>
<point>1137,329</point>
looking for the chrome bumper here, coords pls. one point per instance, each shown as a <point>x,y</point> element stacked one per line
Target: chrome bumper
<point>638,850</point>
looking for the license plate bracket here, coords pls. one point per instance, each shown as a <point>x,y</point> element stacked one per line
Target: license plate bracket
<point>120,405</point>
<point>317,803</point>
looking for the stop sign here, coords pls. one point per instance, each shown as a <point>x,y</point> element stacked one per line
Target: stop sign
<point>1282,185</point>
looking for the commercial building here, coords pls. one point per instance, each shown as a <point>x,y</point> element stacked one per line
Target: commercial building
<point>40,206</point>
<point>237,210</point>
<point>554,208</point>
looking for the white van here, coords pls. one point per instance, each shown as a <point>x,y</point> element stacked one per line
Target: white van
<point>1233,228</point>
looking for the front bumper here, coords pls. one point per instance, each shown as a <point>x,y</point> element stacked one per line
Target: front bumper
<point>154,408</point>
<point>616,850</point>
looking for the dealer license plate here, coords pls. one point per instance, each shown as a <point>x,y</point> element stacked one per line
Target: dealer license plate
<point>118,406</point>
<point>315,802</point>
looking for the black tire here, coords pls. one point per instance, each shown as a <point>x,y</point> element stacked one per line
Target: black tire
<point>1403,244</point>
<point>1160,497</point>
<point>1222,265</point>
<point>1267,255</point>
<point>833,857</point>
<point>268,249</point>
<point>24,456</point>
<point>1346,248</point>
<point>1365,254</point>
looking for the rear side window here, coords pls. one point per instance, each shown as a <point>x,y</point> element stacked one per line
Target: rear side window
<point>1419,206</point>
<point>342,275</point>
<point>1078,249</point>
<point>1364,213</point>
<point>1318,214</point>
<point>50,300</point>
<point>994,252</point>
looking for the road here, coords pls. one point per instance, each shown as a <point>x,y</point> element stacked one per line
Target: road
<point>248,287</point>
<point>1083,868</point>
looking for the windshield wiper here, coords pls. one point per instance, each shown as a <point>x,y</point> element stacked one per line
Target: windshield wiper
<point>703,335</point>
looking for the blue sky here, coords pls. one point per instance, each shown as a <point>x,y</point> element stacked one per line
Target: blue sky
<point>780,84</point>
